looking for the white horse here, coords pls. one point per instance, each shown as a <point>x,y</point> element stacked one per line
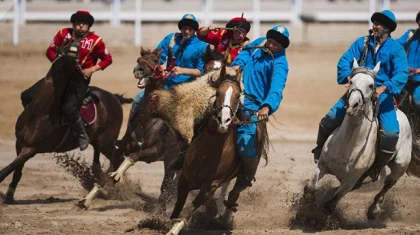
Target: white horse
<point>350,150</point>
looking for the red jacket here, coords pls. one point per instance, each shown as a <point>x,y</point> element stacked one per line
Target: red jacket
<point>222,41</point>
<point>92,48</point>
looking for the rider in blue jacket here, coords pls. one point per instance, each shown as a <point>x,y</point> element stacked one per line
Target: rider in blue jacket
<point>264,77</point>
<point>390,80</point>
<point>411,43</point>
<point>185,51</point>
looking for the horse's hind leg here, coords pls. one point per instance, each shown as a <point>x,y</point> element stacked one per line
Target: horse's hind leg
<point>397,171</point>
<point>24,155</point>
<point>310,188</point>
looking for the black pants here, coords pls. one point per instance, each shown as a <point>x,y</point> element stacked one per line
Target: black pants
<point>72,99</point>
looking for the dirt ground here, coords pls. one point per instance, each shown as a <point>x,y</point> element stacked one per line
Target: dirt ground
<point>46,193</point>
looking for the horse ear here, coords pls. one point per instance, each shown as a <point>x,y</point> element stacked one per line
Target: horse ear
<point>222,72</point>
<point>355,64</point>
<point>377,67</point>
<point>158,52</point>
<point>142,51</point>
<point>239,76</point>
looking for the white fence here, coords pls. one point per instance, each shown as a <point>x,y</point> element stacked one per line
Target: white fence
<point>137,14</point>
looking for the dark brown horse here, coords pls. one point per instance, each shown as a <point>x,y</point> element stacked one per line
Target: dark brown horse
<point>211,158</point>
<point>39,128</point>
<point>147,139</point>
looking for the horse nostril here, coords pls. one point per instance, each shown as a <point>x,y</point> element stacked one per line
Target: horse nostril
<point>219,119</point>
<point>356,104</point>
<point>227,120</point>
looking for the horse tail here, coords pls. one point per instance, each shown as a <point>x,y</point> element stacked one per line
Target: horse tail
<point>122,99</point>
<point>414,167</point>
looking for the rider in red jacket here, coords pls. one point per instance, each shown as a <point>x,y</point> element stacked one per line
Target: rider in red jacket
<point>91,48</point>
<point>229,41</point>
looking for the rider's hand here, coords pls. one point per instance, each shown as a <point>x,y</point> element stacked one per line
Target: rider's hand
<point>380,90</point>
<point>89,71</point>
<point>177,70</point>
<point>263,113</point>
<point>413,71</point>
<point>213,27</point>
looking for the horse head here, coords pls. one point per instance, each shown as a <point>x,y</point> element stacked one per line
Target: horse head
<point>362,90</point>
<point>228,96</point>
<point>213,59</point>
<point>148,67</point>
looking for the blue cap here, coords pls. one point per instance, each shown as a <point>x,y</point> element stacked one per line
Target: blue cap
<point>188,20</point>
<point>386,18</point>
<point>280,34</point>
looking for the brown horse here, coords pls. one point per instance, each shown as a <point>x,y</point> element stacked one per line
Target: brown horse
<point>39,128</point>
<point>158,140</point>
<point>211,158</point>
<point>147,139</point>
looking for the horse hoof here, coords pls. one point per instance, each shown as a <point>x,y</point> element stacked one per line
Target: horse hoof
<point>80,205</point>
<point>329,209</point>
<point>373,212</point>
<point>308,197</point>
<point>227,223</point>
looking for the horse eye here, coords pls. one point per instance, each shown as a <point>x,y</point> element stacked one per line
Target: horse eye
<point>371,86</point>
<point>350,82</point>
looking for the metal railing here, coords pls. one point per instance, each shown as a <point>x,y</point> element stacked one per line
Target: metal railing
<point>138,13</point>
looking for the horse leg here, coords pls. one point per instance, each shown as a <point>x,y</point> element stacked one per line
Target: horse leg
<point>166,190</point>
<point>230,205</point>
<point>345,187</point>
<point>96,165</point>
<point>396,172</point>
<point>182,194</point>
<point>24,154</point>
<point>223,193</point>
<point>198,201</point>
<point>310,189</point>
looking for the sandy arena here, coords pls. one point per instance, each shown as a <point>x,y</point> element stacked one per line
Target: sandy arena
<point>46,194</point>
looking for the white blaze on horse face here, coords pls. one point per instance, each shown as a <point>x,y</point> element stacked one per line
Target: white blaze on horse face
<point>226,111</point>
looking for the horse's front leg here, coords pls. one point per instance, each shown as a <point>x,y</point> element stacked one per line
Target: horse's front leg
<point>310,189</point>
<point>345,187</point>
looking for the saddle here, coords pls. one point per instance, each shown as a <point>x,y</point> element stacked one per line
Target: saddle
<point>88,112</point>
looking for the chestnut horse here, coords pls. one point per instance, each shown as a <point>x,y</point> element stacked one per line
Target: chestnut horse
<point>147,139</point>
<point>211,158</point>
<point>39,128</point>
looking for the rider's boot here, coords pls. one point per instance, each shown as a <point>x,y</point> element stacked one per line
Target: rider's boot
<point>381,160</point>
<point>323,134</point>
<point>79,128</point>
<point>250,165</point>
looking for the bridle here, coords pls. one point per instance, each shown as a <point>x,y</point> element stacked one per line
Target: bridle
<point>373,98</point>
<point>232,111</point>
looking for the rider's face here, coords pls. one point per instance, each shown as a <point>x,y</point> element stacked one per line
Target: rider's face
<point>239,35</point>
<point>378,29</point>
<point>273,45</point>
<point>80,28</point>
<point>187,31</point>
